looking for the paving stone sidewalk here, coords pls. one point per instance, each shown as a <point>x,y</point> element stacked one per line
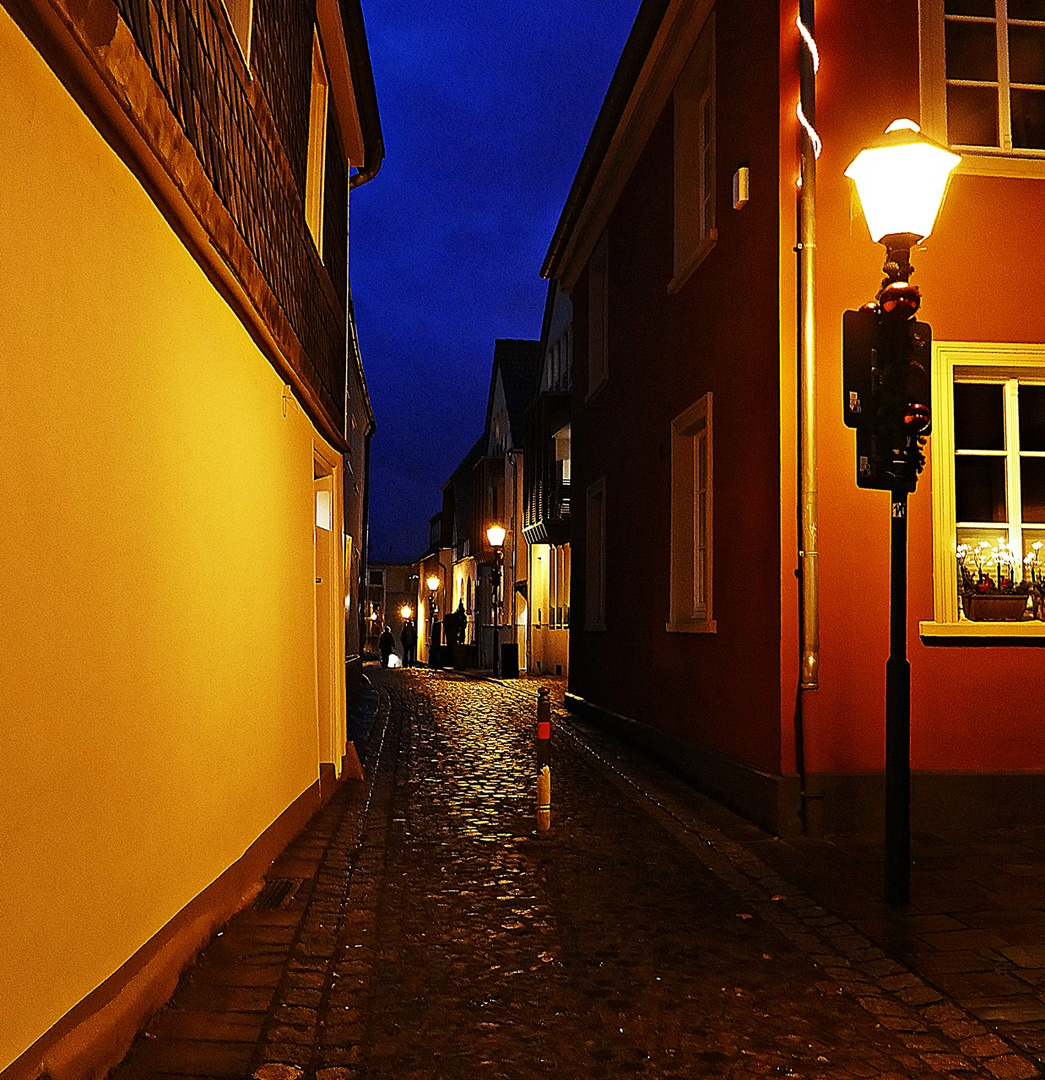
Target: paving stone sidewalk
<point>418,928</point>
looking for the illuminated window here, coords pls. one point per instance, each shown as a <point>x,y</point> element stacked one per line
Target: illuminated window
<point>983,81</point>
<point>598,314</point>
<point>988,470</point>
<point>595,555</point>
<point>324,510</point>
<point>694,103</point>
<point>317,146</point>
<point>691,535</point>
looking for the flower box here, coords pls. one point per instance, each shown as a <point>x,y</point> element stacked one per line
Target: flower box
<point>994,607</point>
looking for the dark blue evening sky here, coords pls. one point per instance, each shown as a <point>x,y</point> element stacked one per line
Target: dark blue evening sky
<point>486,109</point>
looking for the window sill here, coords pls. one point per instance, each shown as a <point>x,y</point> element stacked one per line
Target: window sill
<point>706,626</point>
<point>968,632</point>
<point>701,252</point>
<point>1001,164</point>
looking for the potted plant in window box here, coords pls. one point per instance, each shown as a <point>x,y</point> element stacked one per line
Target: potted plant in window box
<point>1034,575</point>
<point>987,598</point>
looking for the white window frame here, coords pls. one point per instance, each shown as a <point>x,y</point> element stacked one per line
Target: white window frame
<point>315,174</point>
<point>241,18</point>
<point>599,314</point>
<point>692,534</point>
<point>983,161</point>
<point>694,159</point>
<point>595,568</point>
<point>980,362</point>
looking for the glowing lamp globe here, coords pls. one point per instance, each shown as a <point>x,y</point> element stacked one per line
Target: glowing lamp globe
<point>901,181</point>
<point>432,583</point>
<point>495,534</point>
<point>406,611</point>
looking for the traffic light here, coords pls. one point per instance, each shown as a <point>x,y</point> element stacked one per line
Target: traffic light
<point>886,385</point>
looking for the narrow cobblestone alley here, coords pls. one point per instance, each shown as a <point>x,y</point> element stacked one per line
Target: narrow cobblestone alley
<point>428,932</point>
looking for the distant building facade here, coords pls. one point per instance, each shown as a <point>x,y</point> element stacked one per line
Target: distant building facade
<point>547,490</point>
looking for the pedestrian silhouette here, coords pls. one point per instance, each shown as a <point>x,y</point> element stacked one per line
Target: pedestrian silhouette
<point>408,636</point>
<point>386,643</point>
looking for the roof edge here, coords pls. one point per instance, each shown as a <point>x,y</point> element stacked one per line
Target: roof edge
<point>643,33</point>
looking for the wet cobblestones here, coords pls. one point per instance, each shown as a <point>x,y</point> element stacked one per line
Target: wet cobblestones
<point>435,935</point>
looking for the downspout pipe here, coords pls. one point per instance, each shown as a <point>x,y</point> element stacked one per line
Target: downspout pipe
<point>808,555</point>
<point>364,562</point>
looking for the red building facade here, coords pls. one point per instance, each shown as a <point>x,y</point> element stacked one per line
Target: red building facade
<point>685,628</point>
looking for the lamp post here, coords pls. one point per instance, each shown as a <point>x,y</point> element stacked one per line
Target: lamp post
<point>495,534</point>
<point>901,181</point>
<point>432,581</point>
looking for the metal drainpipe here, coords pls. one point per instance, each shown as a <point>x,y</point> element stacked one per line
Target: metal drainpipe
<point>809,601</point>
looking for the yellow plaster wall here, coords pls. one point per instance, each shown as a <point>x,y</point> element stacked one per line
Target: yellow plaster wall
<point>157,696</point>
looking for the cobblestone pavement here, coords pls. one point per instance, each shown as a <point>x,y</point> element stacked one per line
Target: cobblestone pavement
<point>418,928</point>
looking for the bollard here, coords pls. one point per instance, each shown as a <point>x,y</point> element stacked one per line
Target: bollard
<point>544,760</point>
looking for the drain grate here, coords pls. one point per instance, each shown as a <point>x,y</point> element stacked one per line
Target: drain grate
<point>276,893</point>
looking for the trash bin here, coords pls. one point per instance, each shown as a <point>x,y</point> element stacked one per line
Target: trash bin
<point>509,660</point>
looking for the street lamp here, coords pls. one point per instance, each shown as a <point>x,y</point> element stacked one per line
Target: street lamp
<point>495,534</point>
<point>432,581</point>
<point>406,611</point>
<point>901,181</point>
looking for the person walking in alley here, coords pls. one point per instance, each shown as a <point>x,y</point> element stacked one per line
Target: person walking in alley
<point>408,636</point>
<point>386,643</point>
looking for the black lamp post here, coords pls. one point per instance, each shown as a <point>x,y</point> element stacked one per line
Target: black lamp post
<point>495,534</point>
<point>901,181</point>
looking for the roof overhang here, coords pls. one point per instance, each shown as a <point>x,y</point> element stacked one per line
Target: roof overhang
<point>343,37</point>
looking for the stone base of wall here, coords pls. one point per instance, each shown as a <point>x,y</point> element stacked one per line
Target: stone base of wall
<point>771,802</point>
<point>95,1036</point>
<point>837,804</point>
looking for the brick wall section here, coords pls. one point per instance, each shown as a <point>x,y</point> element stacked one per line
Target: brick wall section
<point>251,138</point>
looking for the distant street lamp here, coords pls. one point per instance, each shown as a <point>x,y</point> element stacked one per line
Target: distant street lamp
<point>406,611</point>
<point>901,181</point>
<point>495,534</point>
<point>432,581</point>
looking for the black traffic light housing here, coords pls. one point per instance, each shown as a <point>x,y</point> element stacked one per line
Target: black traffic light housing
<point>886,388</point>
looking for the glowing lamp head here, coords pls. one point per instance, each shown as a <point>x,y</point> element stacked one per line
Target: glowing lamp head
<point>901,181</point>
<point>432,583</point>
<point>495,534</point>
<point>406,611</point>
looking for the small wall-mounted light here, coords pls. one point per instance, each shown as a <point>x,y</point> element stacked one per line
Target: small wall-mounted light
<point>741,187</point>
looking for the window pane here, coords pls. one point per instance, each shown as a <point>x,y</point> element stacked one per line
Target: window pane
<point>1026,9</point>
<point>972,116</point>
<point>1036,568</point>
<point>971,52</point>
<point>971,7</point>
<point>979,417</point>
<point>979,485</point>
<point>1032,417</point>
<point>1032,482</point>
<point>1028,119</point>
<point>1027,54</point>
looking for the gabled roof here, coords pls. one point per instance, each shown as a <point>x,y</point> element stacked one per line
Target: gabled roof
<point>518,362</point>
<point>661,39</point>
<point>463,472</point>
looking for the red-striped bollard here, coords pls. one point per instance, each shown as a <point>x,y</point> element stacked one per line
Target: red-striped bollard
<point>544,760</point>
